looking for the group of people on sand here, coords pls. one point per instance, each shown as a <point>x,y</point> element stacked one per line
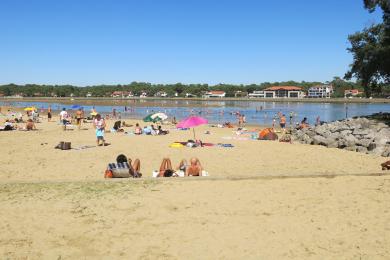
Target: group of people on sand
<point>149,130</point>
<point>67,119</point>
<point>126,168</point>
<point>10,125</point>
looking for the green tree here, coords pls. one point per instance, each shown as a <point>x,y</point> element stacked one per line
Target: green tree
<point>371,51</point>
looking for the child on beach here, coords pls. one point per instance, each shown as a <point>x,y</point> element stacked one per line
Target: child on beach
<point>99,124</point>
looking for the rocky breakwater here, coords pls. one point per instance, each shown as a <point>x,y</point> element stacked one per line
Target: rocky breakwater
<point>358,134</point>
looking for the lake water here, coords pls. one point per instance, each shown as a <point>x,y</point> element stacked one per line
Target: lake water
<point>256,112</point>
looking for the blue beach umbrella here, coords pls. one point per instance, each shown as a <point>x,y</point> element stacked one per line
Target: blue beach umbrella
<point>77,107</point>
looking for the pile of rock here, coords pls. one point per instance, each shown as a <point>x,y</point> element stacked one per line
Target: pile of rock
<point>359,134</point>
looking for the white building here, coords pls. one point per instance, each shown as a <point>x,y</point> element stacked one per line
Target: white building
<point>279,92</point>
<point>189,95</point>
<point>261,94</point>
<point>320,91</point>
<point>214,94</point>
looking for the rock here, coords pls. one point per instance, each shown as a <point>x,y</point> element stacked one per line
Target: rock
<point>350,148</point>
<point>364,142</point>
<point>381,140</point>
<point>341,144</point>
<point>360,132</point>
<point>320,140</point>
<point>361,149</point>
<point>346,132</point>
<point>350,140</point>
<point>386,151</point>
<point>307,139</point>
<point>371,146</point>
<point>333,144</point>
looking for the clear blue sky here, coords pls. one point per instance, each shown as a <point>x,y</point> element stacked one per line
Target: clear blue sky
<point>85,42</point>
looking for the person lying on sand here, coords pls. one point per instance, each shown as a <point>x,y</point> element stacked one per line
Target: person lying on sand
<point>124,124</point>
<point>9,126</point>
<point>166,169</point>
<point>385,165</point>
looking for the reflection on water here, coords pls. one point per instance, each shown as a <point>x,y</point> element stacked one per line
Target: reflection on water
<point>221,111</point>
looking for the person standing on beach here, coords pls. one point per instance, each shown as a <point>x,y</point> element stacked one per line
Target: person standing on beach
<point>64,118</point>
<point>114,113</point>
<point>99,124</point>
<point>282,122</point>
<point>291,118</point>
<point>49,114</point>
<point>79,117</point>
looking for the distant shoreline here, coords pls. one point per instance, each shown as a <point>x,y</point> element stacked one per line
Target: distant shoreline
<point>69,100</point>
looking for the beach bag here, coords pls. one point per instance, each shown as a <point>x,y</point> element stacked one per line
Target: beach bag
<point>64,146</point>
<point>119,170</point>
<point>108,174</point>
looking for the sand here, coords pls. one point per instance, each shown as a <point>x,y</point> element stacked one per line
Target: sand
<point>57,205</point>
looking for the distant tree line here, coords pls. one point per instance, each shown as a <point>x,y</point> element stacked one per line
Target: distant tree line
<point>31,90</point>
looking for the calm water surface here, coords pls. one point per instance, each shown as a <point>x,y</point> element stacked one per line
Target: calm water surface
<point>256,112</point>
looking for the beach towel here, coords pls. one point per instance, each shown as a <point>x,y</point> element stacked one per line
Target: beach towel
<point>176,145</point>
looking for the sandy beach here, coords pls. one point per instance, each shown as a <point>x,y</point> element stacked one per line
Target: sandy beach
<point>263,199</point>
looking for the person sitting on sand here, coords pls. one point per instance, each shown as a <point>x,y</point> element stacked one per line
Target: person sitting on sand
<point>30,125</point>
<point>117,127</point>
<point>124,168</point>
<point>147,130</point>
<point>137,129</point>
<point>174,122</point>
<point>195,168</point>
<point>304,123</point>
<point>160,131</point>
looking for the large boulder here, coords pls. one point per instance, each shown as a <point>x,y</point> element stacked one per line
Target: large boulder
<point>361,149</point>
<point>350,140</point>
<point>364,142</point>
<point>320,140</point>
<point>371,146</point>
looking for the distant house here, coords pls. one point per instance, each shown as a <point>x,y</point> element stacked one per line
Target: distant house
<point>89,94</point>
<point>351,93</point>
<point>143,94</point>
<point>284,92</point>
<point>189,95</point>
<point>38,94</point>
<point>320,91</point>
<point>121,94</point>
<point>161,94</point>
<point>215,94</point>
